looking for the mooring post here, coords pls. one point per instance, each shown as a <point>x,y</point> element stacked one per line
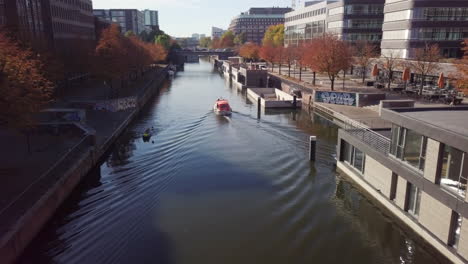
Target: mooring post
<point>295,101</point>
<point>312,147</point>
<point>259,106</point>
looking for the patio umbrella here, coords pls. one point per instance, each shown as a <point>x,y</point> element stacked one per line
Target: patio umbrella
<point>375,70</point>
<point>441,81</point>
<point>406,75</point>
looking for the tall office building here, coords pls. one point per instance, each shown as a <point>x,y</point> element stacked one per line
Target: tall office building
<point>411,24</point>
<point>397,26</point>
<point>354,20</point>
<point>50,24</point>
<point>256,21</point>
<point>305,24</point>
<point>127,19</point>
<point>151,17</point>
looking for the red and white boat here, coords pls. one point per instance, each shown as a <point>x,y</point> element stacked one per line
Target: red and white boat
<point>222,107</point>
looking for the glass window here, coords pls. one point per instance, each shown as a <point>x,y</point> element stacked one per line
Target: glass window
<point>353,156</point>
<point>453,172</point>
<point>455,229</point>
<point>409,146</point>
<point>414,199</point>
<point>413,142</point>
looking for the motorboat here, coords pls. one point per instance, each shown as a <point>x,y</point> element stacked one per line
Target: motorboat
<point>222,107</point>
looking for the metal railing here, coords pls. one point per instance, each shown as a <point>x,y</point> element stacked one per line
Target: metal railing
<point>42,184</point>
<point>361,131</point>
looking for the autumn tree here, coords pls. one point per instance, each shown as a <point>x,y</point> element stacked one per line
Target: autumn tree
<point>163,40</point>
<point>250,51</point>
<point>268,53</point>
<point>389,62</point>
<point>274,36</point>
<point>364,54</point>
<point>301,51</point>
<point>111,55</point>
<point>240,39</point>
<point>328,55</point>
<point>426,62</point>
<point>462,66</point>
<point>24,90</point>
<point>205,42</point>
<point>227,39</point>
<point>289,56</point>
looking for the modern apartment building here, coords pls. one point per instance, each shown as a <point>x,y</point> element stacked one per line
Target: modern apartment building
<point>216,32</point>
<point>411,24</point>
<point>397,26</point>
<point>256,21</point>
<point>418,171</point>
<point>127,19</point>
<point>151,18</point>
<point>305,23</point>
<point>47,24</point>
<point>356,20</point>
<point>351,20</point>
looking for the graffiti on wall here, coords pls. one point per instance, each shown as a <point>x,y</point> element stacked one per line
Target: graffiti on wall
<point>117,104</point>
<point>338,98</point>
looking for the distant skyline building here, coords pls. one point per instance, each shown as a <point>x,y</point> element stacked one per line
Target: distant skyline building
<point>196,36</point>
<point>256,21</point>
<point>151,17</point>
<point>216,32</point>
<point>127,19</point>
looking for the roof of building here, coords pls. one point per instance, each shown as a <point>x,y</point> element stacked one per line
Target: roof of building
<point>445,124</point>
<point>453,120</point>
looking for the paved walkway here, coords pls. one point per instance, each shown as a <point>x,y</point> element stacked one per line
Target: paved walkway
<point>20,169</point>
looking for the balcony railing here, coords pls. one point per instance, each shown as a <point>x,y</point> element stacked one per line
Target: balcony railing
<point>373,139</point>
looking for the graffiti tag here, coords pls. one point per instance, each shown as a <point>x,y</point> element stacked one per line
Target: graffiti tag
<point>336,98</point>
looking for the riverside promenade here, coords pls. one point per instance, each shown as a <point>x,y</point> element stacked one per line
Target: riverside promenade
<point>37,179</point>
<point>368,117</point>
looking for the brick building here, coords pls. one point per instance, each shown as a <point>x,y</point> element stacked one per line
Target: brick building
<point>256,21</point>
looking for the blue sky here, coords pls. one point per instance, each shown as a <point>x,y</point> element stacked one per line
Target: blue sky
<point>181,18</point>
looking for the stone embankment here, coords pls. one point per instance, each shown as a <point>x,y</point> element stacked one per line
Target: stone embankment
<point>24,215</point>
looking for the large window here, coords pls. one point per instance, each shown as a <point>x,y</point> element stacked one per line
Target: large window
<point>364,9</point>
<point>439,33</point>
<point>413,199</point>
<point>409,146</point>
<point>441,13</point>
<point>354,157</point>
<point>453,176</point>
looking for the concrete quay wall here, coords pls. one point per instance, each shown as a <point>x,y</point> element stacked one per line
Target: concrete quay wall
<point>13,243</point>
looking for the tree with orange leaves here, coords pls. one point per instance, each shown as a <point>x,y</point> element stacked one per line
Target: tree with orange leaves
<point>462,66</point>
<point>24,90</point>
<point>290,55</point>
<point>250,51</point>
<point>111,55</point>
<point>328,55</point>
<point>268,53</point>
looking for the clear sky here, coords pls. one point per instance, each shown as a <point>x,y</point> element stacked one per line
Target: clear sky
<point>181,18</point>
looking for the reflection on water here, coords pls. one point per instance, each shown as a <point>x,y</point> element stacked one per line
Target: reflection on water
<point>214,189</point>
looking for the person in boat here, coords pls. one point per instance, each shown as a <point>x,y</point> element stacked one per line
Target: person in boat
<point>147,135</point>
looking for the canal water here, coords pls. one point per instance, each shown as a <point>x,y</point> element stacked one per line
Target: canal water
<point>209,190</point>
